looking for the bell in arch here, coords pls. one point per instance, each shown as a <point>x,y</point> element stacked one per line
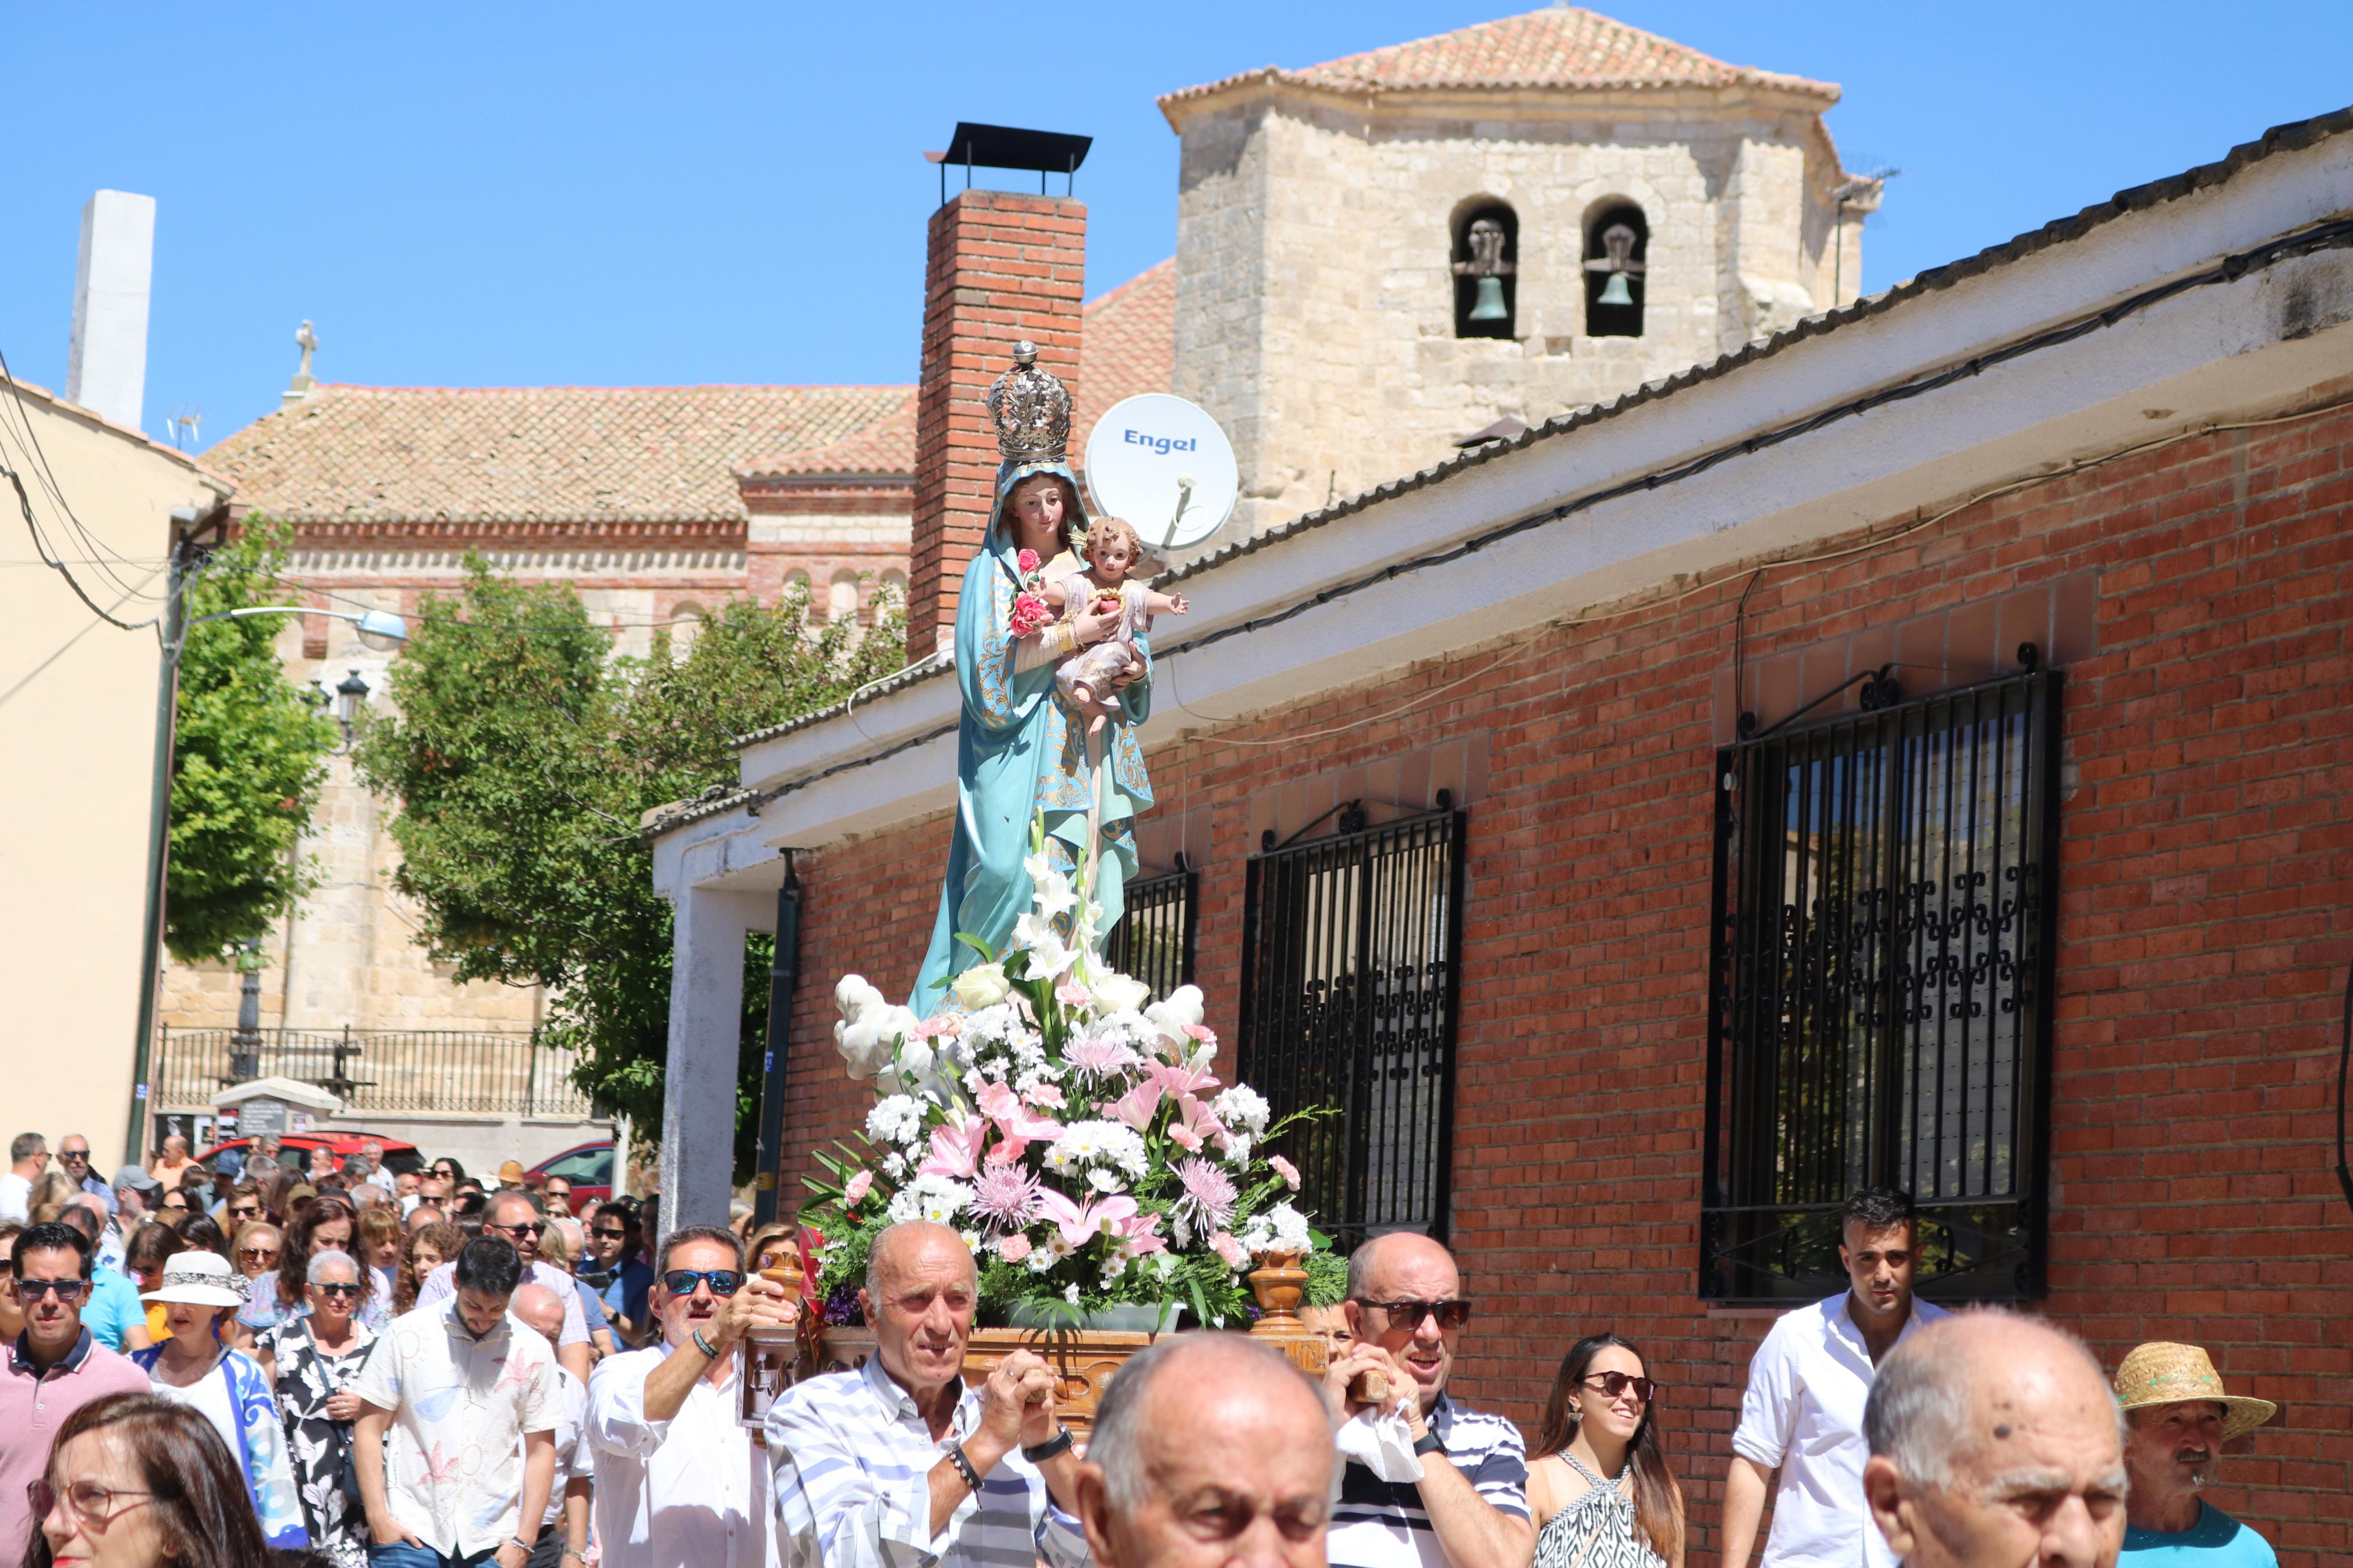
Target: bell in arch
<point>1615,291</point>
<point>1488,306</point>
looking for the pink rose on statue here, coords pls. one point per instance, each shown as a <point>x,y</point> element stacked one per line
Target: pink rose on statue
<point>1227,1248</point>
<point>855,1193</point>
<point>1286,1170</point>
<point>1029,613</point>
<point>1013,1248</point>
<point>1027,561</point>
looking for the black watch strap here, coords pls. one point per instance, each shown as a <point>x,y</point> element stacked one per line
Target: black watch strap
<point>1059,1443</point>
<point>1429,1444</point>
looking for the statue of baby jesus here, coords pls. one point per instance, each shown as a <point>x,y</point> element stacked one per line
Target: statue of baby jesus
<point>1113,551</point>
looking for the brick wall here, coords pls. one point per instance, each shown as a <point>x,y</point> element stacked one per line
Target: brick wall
<point>999,268</point>
<point>2206,922</point>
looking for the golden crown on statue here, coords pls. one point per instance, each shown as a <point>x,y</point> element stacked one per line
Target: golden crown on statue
<point>1032,409</point>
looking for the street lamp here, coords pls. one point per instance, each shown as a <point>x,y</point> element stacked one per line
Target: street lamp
<point>378,630</point>
<point>351,696</point>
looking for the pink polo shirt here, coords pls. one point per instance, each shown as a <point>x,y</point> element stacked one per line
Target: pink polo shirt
<point>32,1409</point>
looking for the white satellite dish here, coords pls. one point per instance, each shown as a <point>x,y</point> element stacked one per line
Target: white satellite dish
<point>1163,464</point>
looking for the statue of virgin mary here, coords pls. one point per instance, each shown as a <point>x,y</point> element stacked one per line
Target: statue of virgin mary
<point>1021,752</point>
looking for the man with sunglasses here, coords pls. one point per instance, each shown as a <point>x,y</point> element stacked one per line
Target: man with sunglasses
<point>54,1368</point>
<point>511,1219</point>
<point>1470,1509</point>
<point>621,1279</point>
<point>1802,1413</point>
<point>73,1154</point>
<point>678,1477</point>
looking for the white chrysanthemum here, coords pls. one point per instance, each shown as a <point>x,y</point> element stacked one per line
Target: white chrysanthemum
<point>1243,1109</point>
<point>1238,1150</point>
<point>894,1166</point>
<point>1070,1294</point>
<point>1282,1228</point>
<point>1105,1181</point>
<point>897,1120</point>
<point>1085,1145</point>
<point>930,1196</point>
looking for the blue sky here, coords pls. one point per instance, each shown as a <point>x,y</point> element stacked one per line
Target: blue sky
<point>513,195</point>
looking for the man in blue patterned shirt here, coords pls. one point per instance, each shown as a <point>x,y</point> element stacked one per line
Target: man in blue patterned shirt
<point>898,1464</point>
<point>1470,1509</point>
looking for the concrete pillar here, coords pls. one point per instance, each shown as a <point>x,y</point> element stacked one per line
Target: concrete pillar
<point>106,362</point>
<point>706,1023</point>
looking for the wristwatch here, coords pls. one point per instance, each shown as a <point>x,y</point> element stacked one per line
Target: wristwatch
<point>1059,1443</point>
<point>1428,1443</point>
<point>705,1346</point>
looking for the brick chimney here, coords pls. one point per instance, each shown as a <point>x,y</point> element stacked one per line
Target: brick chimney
<point>999,266</point>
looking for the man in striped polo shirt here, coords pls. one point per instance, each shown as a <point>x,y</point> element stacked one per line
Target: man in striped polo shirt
<point>898,1464</point>
<point>1470,1509</point>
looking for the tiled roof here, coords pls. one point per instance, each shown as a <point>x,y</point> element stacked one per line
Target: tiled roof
<point>625,454</point>
<point>1563,47</point>
<point>517,454</point>
<point>1130,346</point>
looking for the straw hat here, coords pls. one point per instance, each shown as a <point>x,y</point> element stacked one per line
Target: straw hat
<point>2160,1372</point>
<point>200,1279</point>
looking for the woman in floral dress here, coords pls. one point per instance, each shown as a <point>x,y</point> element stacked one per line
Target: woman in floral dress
<point>310,1359</point>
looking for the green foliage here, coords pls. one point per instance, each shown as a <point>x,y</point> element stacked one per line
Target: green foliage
<point>523,754</point>
<point>248,757</point>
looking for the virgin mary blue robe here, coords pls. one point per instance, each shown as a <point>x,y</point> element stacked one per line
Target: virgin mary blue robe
<point>1020,751</point>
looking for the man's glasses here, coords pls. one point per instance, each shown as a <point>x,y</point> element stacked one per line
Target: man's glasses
<point>723,1282</point>
<point>257,1254</point>
<point>68,1291</point>
<point>93,1502</point>
<point>1408,1315</point>
<point>339,1288</point>
<point>614,1235</point>
<point>1613,1384</point>
<point>245,1211</point>
<point>519,1231</point>
<point>73,1157</point>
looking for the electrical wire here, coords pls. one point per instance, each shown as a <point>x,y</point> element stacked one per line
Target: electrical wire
<point>47,478</point>
<point>2323,236</point>
<point>25,503</point>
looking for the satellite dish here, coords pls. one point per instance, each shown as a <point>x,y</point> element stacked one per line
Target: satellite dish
<point>1163,464</point>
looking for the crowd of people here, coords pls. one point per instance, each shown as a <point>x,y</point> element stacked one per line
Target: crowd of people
<point>317,1362</point>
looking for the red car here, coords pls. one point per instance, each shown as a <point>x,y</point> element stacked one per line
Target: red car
<point>588,1166</point>
<point>400,1158</point>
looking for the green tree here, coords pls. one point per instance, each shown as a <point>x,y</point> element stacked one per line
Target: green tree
<point>523,754</point>
<point>247,759</point>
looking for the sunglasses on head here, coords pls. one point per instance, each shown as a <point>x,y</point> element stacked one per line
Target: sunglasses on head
<point>723,1282</point>
<point>1613,1384</point>
<point>68,1290</point>
<point>1408,1315</point>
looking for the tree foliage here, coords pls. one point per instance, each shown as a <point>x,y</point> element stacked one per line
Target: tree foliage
<point>523,754</point>
<point>248,757</point>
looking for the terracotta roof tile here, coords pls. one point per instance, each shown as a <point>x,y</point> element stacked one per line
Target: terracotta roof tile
<point>886,448</point>
<point>1563,47</point>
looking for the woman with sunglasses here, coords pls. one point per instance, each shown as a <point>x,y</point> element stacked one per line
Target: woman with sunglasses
<point>311,1362</point>
<point>328,1224</point>
<point>1601,1494</point>
<point>230,1389</point>
<point>135,1482</point>
<point>255,1250</point>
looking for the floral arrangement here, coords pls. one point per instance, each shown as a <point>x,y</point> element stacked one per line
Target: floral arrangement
<point>1068,1127</point>
<point>1030,609</point>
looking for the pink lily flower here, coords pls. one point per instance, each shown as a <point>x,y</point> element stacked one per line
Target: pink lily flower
<point>1080,1222</point>
<point>1019,1124</point>
<point>1179,1079</point>
<point>956,1147</point>
<point>1139,1235</point>
<point>1137,1107</point>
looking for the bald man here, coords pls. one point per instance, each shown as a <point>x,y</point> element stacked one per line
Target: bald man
<point>566,1529</point>
<point>1470,1509</point>
<point>1995,1443</point>
<point>901,1462</point>
<point>1208,1451</point>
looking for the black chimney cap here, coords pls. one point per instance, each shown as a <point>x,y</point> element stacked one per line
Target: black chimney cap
<point>1008,147</point>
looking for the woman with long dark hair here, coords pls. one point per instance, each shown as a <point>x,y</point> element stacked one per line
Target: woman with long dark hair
<point>141,1482</point>
<point>1601,1491</point>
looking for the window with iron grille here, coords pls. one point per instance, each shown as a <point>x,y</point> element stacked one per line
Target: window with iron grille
<point>1881,993</point>
<point>1154,939</point>
<point>1351,954</point>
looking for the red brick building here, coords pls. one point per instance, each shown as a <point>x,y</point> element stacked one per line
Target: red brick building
<point>2056,935</point>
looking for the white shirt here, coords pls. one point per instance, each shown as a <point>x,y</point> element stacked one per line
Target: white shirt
<point>442,1284</point>
<point>15,1197</point>
<point>1803,1414</point>
<point>209,1397</point>
<point>461,1405</point>
<point>853,1460</point>
<point>688,1492</point>
<point>574,1457</point>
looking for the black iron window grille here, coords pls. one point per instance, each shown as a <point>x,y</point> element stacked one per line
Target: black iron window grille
<point>1154,939</point>
<point>1351,964</point>
<point>1880,1008</point>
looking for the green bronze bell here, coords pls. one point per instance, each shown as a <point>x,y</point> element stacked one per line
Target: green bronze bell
<point>1488,305</point>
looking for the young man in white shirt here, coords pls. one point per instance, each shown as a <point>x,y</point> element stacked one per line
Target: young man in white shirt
<point>678,1479</point>
<point>1803,1412</point>
<point>28,1157</point>
<point>563,1537</point>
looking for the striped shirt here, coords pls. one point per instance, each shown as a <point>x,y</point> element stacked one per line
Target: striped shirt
<point>853,1460</point>
<point>1383,1524</point>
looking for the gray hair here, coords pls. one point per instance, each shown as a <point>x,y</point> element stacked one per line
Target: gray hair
<point>1918,1411</point>
<point>1116,1443</point>
<point>882,1239</point>
<point>328,1259</point>
<point>24,1145</point>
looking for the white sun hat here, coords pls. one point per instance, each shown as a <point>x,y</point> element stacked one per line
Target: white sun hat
<point>200,1279</point>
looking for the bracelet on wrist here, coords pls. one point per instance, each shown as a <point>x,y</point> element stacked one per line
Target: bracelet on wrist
<point>1428,1443</point>
<point>705,1346</point>
<point>1059,1443</point>
<point>964,1468</point>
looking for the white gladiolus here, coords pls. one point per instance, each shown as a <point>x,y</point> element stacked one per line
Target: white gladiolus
<point>1118,994</point>
<point>1053,896</point>
<point>1047,955</point>
<point>984,985</point>
<point>1180,1012</point>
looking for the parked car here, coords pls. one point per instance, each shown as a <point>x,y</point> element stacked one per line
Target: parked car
<point>588,1166</point>
<point>400,1158</point>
